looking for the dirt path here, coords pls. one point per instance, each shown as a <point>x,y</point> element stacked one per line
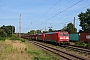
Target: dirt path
<point>18,52</point>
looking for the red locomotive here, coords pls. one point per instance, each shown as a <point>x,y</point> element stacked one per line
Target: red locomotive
<point>57,37</point>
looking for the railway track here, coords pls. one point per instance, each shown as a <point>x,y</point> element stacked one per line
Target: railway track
<point>65,55</point>
<point>78,49</point>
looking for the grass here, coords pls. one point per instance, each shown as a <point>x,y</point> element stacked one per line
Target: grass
<point>81,52</point>
<point>31,52</point>
<point>15,37</point>
<point>5,49</point>
<point>2,38</point>
<point>13,50</point>
<point>67,49</point>
<point>88,45</point>
<point>82,44</point>
<point>34,52</point>
<point>86,53</point>
<point>38,54</point>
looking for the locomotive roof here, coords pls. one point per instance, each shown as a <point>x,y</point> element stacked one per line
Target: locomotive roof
<point>55,32</point>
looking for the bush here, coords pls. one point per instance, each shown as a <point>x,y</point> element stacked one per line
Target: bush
<point>3,33</point>
<point>2,38</point>
<point>88,45</point>
<point>80,43</point>
<point>15,37</point>
<point>23,40</point>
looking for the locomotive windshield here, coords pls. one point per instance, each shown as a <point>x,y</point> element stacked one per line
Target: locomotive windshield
<point>63,34</point>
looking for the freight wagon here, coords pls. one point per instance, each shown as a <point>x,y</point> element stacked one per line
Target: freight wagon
<point>40,37</point>
<point>85,37</point>
<point>26,36</point>
<point>33,37</point>
<point>74,37</point>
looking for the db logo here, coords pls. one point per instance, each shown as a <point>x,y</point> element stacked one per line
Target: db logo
<point>87,36</point>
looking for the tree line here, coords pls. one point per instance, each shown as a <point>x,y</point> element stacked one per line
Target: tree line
<point>7,31</point>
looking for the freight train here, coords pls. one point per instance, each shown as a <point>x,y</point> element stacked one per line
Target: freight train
<point>85,37</point>
<point>55,37</point>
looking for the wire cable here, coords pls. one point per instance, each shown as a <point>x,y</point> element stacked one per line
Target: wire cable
<point>73,12</point>
<point>63,10</point>
<point>65,22</point>
<point>49,9</point>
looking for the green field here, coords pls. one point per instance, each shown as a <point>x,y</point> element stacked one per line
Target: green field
<point>18,50</point>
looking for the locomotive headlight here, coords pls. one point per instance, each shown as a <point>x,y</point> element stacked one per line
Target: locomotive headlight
<point>61,38</point>
<point>67,37</point>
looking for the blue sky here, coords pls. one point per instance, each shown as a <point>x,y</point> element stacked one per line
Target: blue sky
<point>38,14</point>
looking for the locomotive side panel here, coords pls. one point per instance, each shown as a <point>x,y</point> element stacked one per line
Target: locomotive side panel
<point>53,37</point>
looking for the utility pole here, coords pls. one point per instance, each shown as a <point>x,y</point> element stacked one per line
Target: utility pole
<point>45,29</point>
<point>74,21</point>
<point>74,24</point>
<point>20,26</point>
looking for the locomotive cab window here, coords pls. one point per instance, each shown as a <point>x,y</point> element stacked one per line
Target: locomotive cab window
<point>63,34</point>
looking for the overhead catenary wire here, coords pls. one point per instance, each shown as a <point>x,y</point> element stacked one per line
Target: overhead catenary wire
<point>66,22</point>
<point>72,13</point>
<point>75,11</point>
<point>49,9</point>
<point>62,11</point>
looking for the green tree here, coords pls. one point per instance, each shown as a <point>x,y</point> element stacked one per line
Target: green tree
<point>50,29</point>
<point>32,32</point>
<point>85,21</point>
<point>8,29</point>
<point>2,33</point>
<point>71,28</point>
<point>64,28</point>
<point>38,31</point>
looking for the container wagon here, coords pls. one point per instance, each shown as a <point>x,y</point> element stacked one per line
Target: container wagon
<point>74,37</point>
<point>85,37</point>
